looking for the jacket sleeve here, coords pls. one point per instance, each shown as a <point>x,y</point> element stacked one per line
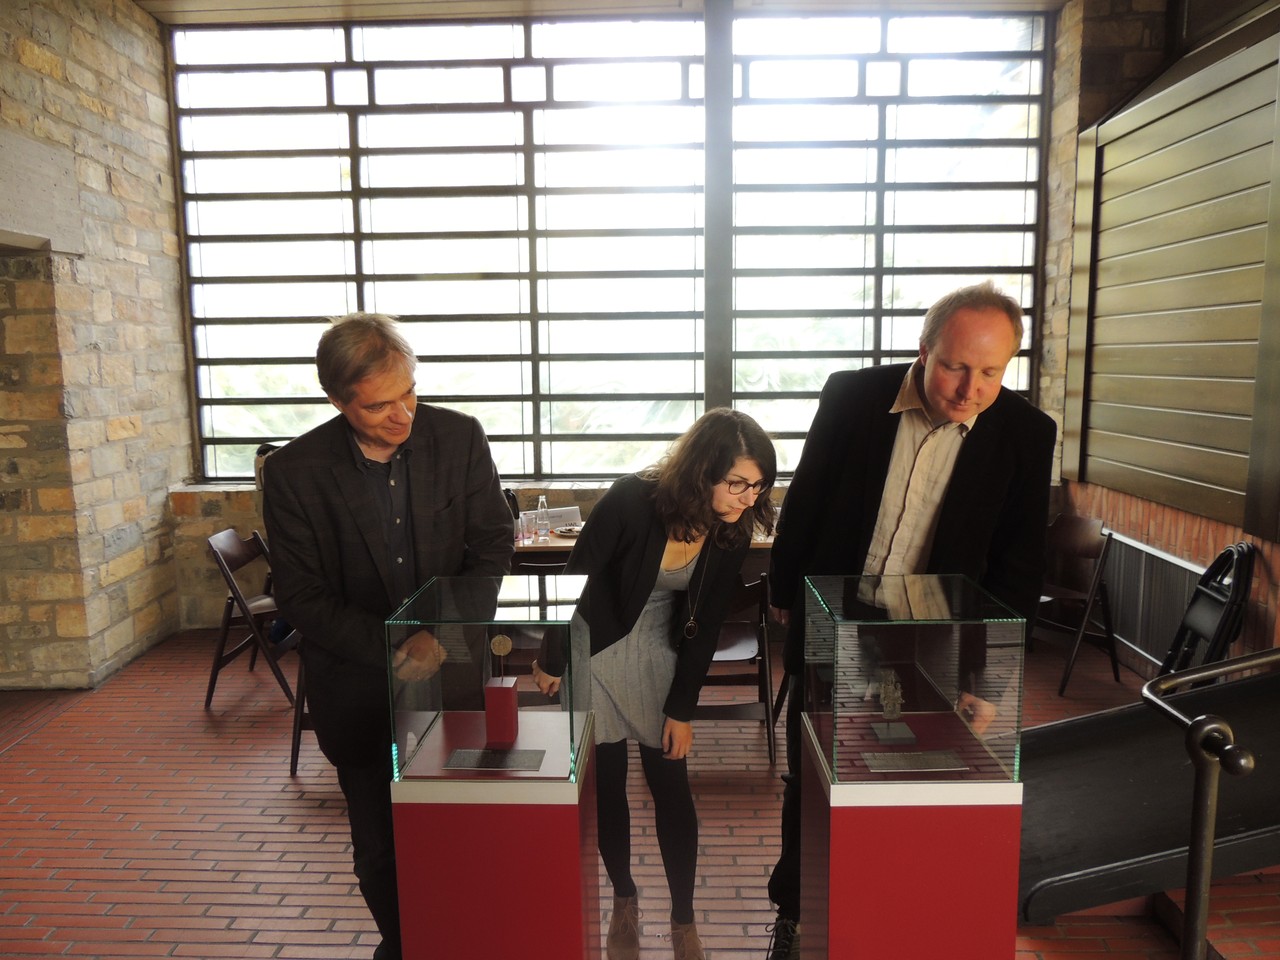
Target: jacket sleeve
<point>301,584</point>
<point>490,539</point>
<point>1015,564</point>
<point>604,531</point>
<point>810,490</point>
<point>601,534</point>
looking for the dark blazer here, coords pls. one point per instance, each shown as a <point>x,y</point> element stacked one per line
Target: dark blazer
<point>991,526</point>
<point>329,564</point>
<point>620,551</point>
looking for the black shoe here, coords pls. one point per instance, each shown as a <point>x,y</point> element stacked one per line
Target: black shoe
<point>784,942</point>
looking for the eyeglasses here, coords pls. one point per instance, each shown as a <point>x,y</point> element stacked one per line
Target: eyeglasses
<point>737,487</point>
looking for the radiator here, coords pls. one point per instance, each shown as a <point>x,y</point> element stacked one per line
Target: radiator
<point>1149,591</point>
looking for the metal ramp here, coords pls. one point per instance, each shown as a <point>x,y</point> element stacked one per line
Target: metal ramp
<point>1107,800</point>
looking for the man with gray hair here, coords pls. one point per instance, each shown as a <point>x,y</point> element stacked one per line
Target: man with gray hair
<point>927,467</point>
<point>361,511</point>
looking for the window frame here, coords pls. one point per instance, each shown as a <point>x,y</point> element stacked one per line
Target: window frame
<point>719,355</point>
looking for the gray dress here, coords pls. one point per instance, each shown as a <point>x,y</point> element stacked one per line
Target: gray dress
<point>630,679</point>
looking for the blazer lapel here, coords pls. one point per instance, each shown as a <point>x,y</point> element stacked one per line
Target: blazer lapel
<point>423,502</point>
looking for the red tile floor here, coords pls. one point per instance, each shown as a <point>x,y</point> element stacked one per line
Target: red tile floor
<point>135,824</point>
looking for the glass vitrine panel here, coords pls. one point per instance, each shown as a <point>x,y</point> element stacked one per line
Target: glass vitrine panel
<point>913,678</point>
<point>490,629</point>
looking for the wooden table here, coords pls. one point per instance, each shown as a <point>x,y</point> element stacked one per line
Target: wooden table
<point>534,557</point>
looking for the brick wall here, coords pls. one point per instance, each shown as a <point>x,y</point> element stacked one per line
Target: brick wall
<point>94,427</point>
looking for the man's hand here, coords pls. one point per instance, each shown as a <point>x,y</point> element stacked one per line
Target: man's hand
<point>977,712</point>
<point>780,615</point>
<point>418,658</point>
<point>546,682</point>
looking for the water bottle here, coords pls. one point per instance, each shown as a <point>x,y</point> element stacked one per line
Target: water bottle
<point>542,520</point>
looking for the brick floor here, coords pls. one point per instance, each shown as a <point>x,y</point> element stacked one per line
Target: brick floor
<point>135,824</point>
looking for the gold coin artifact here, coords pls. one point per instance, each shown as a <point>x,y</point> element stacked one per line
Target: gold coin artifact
<point>500,645</point>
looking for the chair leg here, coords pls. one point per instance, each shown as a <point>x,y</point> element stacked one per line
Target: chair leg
<point>1075,649</point>
<point>782,696</point>
<point>771,736</point>
<point>1108,635</point>
<point>299,714</point>
<point>764,693</point>
<point>219,651</point>
<point>273,662</point>
<point>1105,608</point>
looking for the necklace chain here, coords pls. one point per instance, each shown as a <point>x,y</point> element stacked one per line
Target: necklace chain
<point>691,625</point>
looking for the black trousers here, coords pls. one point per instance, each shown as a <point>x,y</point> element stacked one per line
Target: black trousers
<point>351,713</point>
<point>373,849</point>
<point>784,882</point>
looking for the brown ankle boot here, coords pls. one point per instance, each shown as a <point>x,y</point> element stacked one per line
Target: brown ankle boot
<point>685,942</point>
<point>623,942</point>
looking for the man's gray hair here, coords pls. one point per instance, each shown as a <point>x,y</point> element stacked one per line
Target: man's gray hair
<point>358,346</point>
<point>980,296</point>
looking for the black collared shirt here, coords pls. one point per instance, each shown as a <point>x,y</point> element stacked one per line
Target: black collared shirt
<point>389,484</point>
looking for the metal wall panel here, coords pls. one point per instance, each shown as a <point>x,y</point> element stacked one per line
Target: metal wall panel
<point>1181,233</point>
<point>1243,209</point>
<point>1175,360</point>
<point>1233,321</point>
<point>1178,426</point>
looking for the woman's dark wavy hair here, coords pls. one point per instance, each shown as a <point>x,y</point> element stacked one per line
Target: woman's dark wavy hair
<point>699,460</point>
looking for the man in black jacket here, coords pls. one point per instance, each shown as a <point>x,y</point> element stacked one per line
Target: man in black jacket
<point>360,512</point>
<point>928,467</point>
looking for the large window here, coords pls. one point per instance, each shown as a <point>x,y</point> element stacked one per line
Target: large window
<point>531,199</point>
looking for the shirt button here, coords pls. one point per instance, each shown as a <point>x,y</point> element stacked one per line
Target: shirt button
<point>399,559</point>
<point>393,483</point>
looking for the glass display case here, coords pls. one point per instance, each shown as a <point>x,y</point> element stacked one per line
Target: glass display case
<point>912,678</point>
<point>463,701</point>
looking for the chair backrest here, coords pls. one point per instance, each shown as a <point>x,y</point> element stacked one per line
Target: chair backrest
<point>1075,551</point>
<point>746,624</point>
<point>1215,613</point>
<point>744,640</point>
<point>232,553</point>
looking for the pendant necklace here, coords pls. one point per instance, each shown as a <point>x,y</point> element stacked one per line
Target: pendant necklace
<point>691,625</point>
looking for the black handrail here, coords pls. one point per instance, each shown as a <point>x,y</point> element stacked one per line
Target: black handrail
<point>1212,748</point>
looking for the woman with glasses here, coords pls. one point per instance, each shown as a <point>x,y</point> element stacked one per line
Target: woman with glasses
<point>662,552</point>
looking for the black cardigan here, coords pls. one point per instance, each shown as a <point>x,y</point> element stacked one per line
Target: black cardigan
<point>620,551</point>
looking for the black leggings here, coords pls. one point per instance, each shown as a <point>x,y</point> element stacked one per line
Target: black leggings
<point>674,816</point>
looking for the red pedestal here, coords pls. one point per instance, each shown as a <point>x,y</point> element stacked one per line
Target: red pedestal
<point>495,863</point>
<point>909,870</point>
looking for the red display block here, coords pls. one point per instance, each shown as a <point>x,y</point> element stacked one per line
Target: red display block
<point>498,863</point>
<point>909,870</point>
<point>501,716</point>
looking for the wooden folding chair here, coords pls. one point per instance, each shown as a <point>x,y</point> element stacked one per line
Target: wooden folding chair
<point>1074,590</point>
<point>252,614</point>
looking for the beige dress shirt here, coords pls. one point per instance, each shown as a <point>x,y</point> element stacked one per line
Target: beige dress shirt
<point>924,456</point>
